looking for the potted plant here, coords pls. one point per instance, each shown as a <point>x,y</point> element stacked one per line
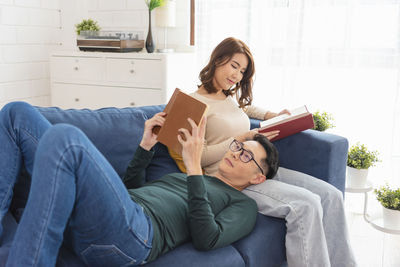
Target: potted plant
<point>87,25</point>
<point>390,201</point>
<point>359,159</point>
<point>322,121</point>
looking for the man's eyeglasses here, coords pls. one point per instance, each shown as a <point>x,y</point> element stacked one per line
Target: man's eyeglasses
<point>245,156</point>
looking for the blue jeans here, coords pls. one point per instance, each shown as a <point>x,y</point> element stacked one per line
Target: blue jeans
<point>75,195</point>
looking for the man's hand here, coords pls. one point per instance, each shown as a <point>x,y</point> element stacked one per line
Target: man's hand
<point>149,139</point>
<point>250,135</point>
<point>192,147</point>
<point>270,135</point>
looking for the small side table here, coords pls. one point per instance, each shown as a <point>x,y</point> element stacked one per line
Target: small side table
<point>377,223</point>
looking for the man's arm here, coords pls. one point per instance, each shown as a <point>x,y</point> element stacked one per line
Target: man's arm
<point>135,173</point>
<point>207,229</point>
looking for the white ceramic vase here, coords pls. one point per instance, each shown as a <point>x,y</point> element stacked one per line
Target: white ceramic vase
<point>356,178</point>
<point>391,218</point>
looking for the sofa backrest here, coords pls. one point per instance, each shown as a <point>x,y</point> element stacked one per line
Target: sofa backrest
<point>116,133</point>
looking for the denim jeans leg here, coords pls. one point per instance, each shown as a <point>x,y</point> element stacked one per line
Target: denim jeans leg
<point>305,238</point>
<point>76,192</point>
<point>21,127</point>
<point>334,219</point>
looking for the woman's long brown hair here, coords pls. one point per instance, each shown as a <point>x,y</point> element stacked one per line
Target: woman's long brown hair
<point>221,55</point>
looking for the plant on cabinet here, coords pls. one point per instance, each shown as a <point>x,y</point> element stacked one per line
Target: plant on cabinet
<point>87,25</point>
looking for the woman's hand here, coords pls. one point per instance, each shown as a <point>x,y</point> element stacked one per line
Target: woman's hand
<point>149,138</point>
<point>192,146</point>
<point>270,115</point>
<point>285,111</point>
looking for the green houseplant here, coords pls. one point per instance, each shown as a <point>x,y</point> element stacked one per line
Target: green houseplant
<point>151,4</point>
<point>322,121</point>
<point>390,201</point>
<point>87,25</point>
<point>389,198</point>
<point>359,159</point>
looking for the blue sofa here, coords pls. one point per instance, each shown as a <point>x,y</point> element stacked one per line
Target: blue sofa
<point>117,132</point>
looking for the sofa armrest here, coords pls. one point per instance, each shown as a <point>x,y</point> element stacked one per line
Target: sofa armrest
<point>319,154</point>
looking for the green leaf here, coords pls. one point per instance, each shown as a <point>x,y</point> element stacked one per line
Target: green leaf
<point>152,4</point>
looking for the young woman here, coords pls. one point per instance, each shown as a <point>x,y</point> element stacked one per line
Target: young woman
<point>313,209</point>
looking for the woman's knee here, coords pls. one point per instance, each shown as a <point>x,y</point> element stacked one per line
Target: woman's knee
<point>333,195</point>
<point>308,203</point>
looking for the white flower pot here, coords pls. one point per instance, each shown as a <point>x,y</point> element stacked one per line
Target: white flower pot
<point>356,178</point>
<point>391,218</point>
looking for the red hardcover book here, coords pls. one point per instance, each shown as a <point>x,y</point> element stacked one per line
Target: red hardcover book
<point>299,120</point>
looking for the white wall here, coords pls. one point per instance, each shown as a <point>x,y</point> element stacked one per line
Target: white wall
<point>29,31</point>
<point>125,15</point>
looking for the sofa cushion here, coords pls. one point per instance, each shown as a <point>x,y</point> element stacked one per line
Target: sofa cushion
<point>187,255</point>
<point>115,132</point>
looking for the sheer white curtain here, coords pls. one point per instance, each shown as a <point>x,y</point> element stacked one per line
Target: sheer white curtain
<point>338,56</point>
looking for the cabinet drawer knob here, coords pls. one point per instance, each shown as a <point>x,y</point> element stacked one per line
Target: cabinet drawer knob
<point>132,104</point>
<point>76,68</point>
<point>76,99</point>
<point>132,71</point>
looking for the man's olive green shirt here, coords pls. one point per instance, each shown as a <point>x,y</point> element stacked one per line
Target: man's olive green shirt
<point>197,208</point>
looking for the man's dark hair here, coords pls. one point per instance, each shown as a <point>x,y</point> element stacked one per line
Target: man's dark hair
<point>271,163</point>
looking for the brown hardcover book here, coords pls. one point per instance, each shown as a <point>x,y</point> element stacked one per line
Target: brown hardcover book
<point>299,120</point>
<point>180,107</point>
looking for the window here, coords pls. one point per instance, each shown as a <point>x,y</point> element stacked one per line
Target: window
<point>339,56</point>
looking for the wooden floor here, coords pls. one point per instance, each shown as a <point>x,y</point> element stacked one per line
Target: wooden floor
<point>372,247</point>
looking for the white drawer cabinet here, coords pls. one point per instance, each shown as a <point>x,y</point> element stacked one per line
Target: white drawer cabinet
<point>66,69</point>
<point>140,72</point>
<point>95,80</point>
<point>94,96</point>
